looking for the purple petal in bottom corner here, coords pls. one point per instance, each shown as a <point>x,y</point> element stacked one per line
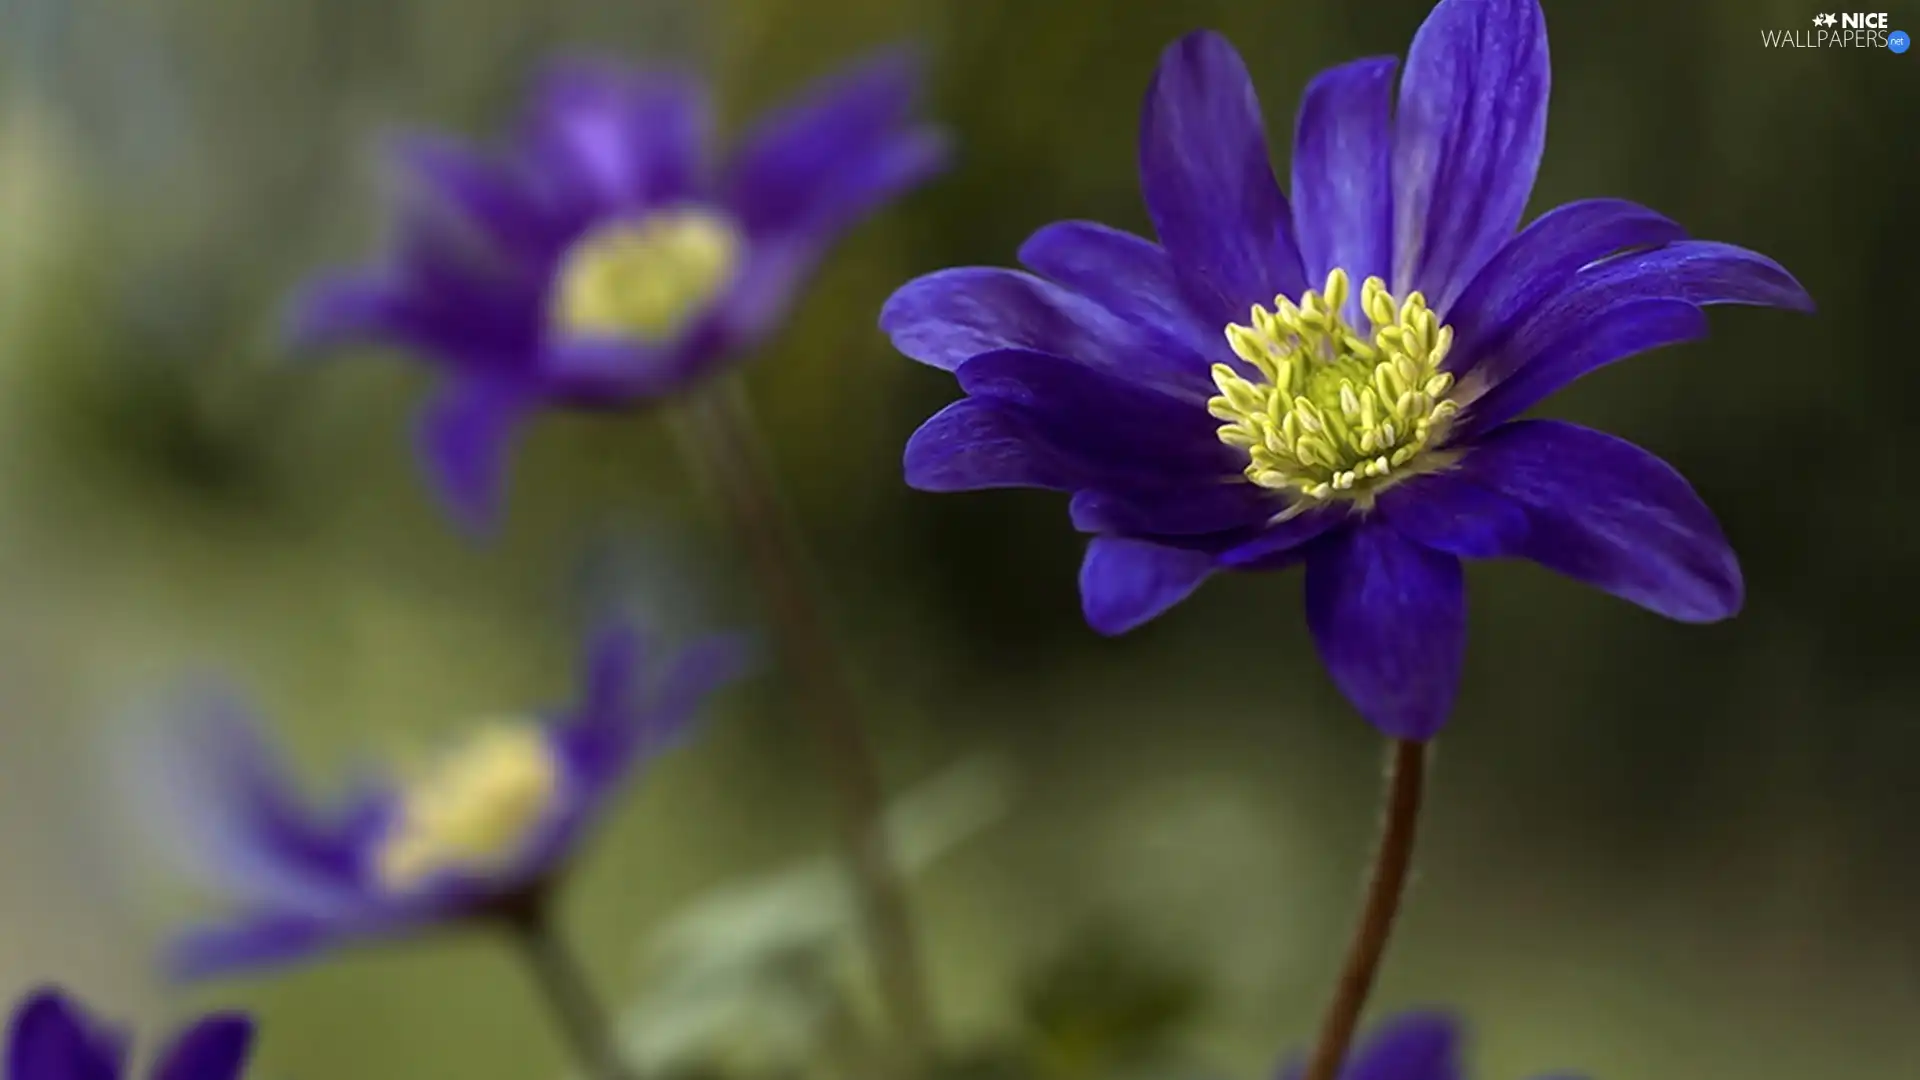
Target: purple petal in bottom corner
<point>52,1038</point>
<point>215,1048</point>
<point>1412,1046</point>
<point>1389,618</point>
<point>1124,583</point>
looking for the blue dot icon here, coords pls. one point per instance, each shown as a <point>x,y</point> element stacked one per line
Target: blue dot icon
<point>1898,41</point>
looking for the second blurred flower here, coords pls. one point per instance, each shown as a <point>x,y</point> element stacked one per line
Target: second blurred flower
<point>604,260</point>
<point>485,831</point>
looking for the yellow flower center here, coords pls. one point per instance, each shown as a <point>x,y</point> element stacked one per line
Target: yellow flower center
<point>1336,414</point>
<point>475,810</point>
<point>646,279</point>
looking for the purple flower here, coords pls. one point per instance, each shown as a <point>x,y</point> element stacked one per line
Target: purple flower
<point>604,259</point>
<point>1334,380</point>
<point>488,827</point>
<point>1412,1046</point>
<point>52,1038</point>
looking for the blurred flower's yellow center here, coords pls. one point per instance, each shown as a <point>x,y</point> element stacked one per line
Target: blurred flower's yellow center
<point>646,279</point>
<point>475,810</point>
<point>1336,414</point>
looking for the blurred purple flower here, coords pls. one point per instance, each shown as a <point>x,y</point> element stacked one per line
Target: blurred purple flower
<point>486,830</point>
<point>1412,1046</point>
<point>604,259</point>
<point>1362,421</point>
<point>52,1038</point>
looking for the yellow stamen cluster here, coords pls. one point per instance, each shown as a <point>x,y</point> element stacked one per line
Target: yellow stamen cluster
<point>1336,414</point>
<point>646,279</point>
<point>475,810</point>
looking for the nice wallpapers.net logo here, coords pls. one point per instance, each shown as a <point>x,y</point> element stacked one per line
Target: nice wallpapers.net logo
<point>1845,30</point>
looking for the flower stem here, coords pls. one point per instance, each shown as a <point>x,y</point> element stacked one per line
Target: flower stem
<point>563,983</point>
<point>723,444</point>
<point>1392,859</point>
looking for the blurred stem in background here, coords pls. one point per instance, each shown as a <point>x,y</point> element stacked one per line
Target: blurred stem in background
<point>722,442</point>
<point>1392,859</point>
<point>563,983</point>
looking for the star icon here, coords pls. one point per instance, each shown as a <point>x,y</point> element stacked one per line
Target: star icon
<point>1824,20</point>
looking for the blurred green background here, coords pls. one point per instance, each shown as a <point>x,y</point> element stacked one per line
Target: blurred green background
<point>1655,851</point>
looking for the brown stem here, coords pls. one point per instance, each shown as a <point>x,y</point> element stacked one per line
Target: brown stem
<point>1406,782</point>
<point>564,986</point>
<point>720,436</point>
